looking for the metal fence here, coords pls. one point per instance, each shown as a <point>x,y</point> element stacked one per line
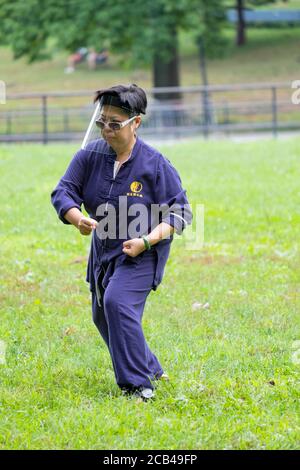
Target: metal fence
<point>265,17</point>
<point>172,112</point>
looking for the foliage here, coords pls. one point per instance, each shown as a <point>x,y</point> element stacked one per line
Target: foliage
<point>137,29</point>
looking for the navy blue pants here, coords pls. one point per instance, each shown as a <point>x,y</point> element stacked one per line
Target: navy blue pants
<point>119,321</point>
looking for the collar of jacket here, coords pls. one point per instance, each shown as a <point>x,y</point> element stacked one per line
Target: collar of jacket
<point>112,154</point>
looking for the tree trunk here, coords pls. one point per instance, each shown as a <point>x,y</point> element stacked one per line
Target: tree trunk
<point>241,27</point>
<point>166,72</point>
<point>207,118</point>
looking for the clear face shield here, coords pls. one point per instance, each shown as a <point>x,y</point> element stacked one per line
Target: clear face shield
<point>110,116</point>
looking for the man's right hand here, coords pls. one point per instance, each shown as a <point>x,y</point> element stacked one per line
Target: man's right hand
<point>86,225</point>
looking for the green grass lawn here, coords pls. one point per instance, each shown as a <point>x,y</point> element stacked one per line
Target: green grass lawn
<point>234,366</point>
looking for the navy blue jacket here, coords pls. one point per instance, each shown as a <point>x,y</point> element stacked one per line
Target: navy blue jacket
<point>146,178</point>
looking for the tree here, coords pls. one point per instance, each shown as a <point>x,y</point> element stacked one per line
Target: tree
<point>144,32</point>
<point>241,31</point>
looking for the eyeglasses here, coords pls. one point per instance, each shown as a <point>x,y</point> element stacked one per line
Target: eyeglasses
<point>114,126</point>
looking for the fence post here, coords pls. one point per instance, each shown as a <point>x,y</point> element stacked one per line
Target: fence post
<point>274,111</point>
<point>226,118</point>
<point>8,123</point>
<point>45,119</point>
<point>206,113</point>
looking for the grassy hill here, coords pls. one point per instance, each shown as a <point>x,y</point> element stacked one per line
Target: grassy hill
<point>270,55</point>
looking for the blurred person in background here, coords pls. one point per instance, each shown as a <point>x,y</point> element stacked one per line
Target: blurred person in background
<point>79,56</point>
<point>95,58</point>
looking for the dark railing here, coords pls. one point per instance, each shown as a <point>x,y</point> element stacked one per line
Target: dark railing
<point>49,117</point>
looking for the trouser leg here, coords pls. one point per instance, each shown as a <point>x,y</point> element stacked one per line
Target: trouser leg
<point>98,311</point>
<point>152,361</point>
<point>101,324</point>
<point>153,364</point>
<point>124,300</point>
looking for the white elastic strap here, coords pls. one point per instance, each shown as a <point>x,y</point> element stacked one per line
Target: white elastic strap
<point>179,216</point>
<point>87,134</point>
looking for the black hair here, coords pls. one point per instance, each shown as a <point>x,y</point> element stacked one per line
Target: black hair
<point>132,99</point>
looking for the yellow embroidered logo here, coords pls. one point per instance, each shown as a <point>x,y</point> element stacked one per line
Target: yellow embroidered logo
<point>136,187</point>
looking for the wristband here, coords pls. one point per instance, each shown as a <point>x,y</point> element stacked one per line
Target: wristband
<point>146,242</point>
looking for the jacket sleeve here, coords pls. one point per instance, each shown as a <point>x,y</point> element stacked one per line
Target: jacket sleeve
<point>175,208</point>
<point>68,192</point>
